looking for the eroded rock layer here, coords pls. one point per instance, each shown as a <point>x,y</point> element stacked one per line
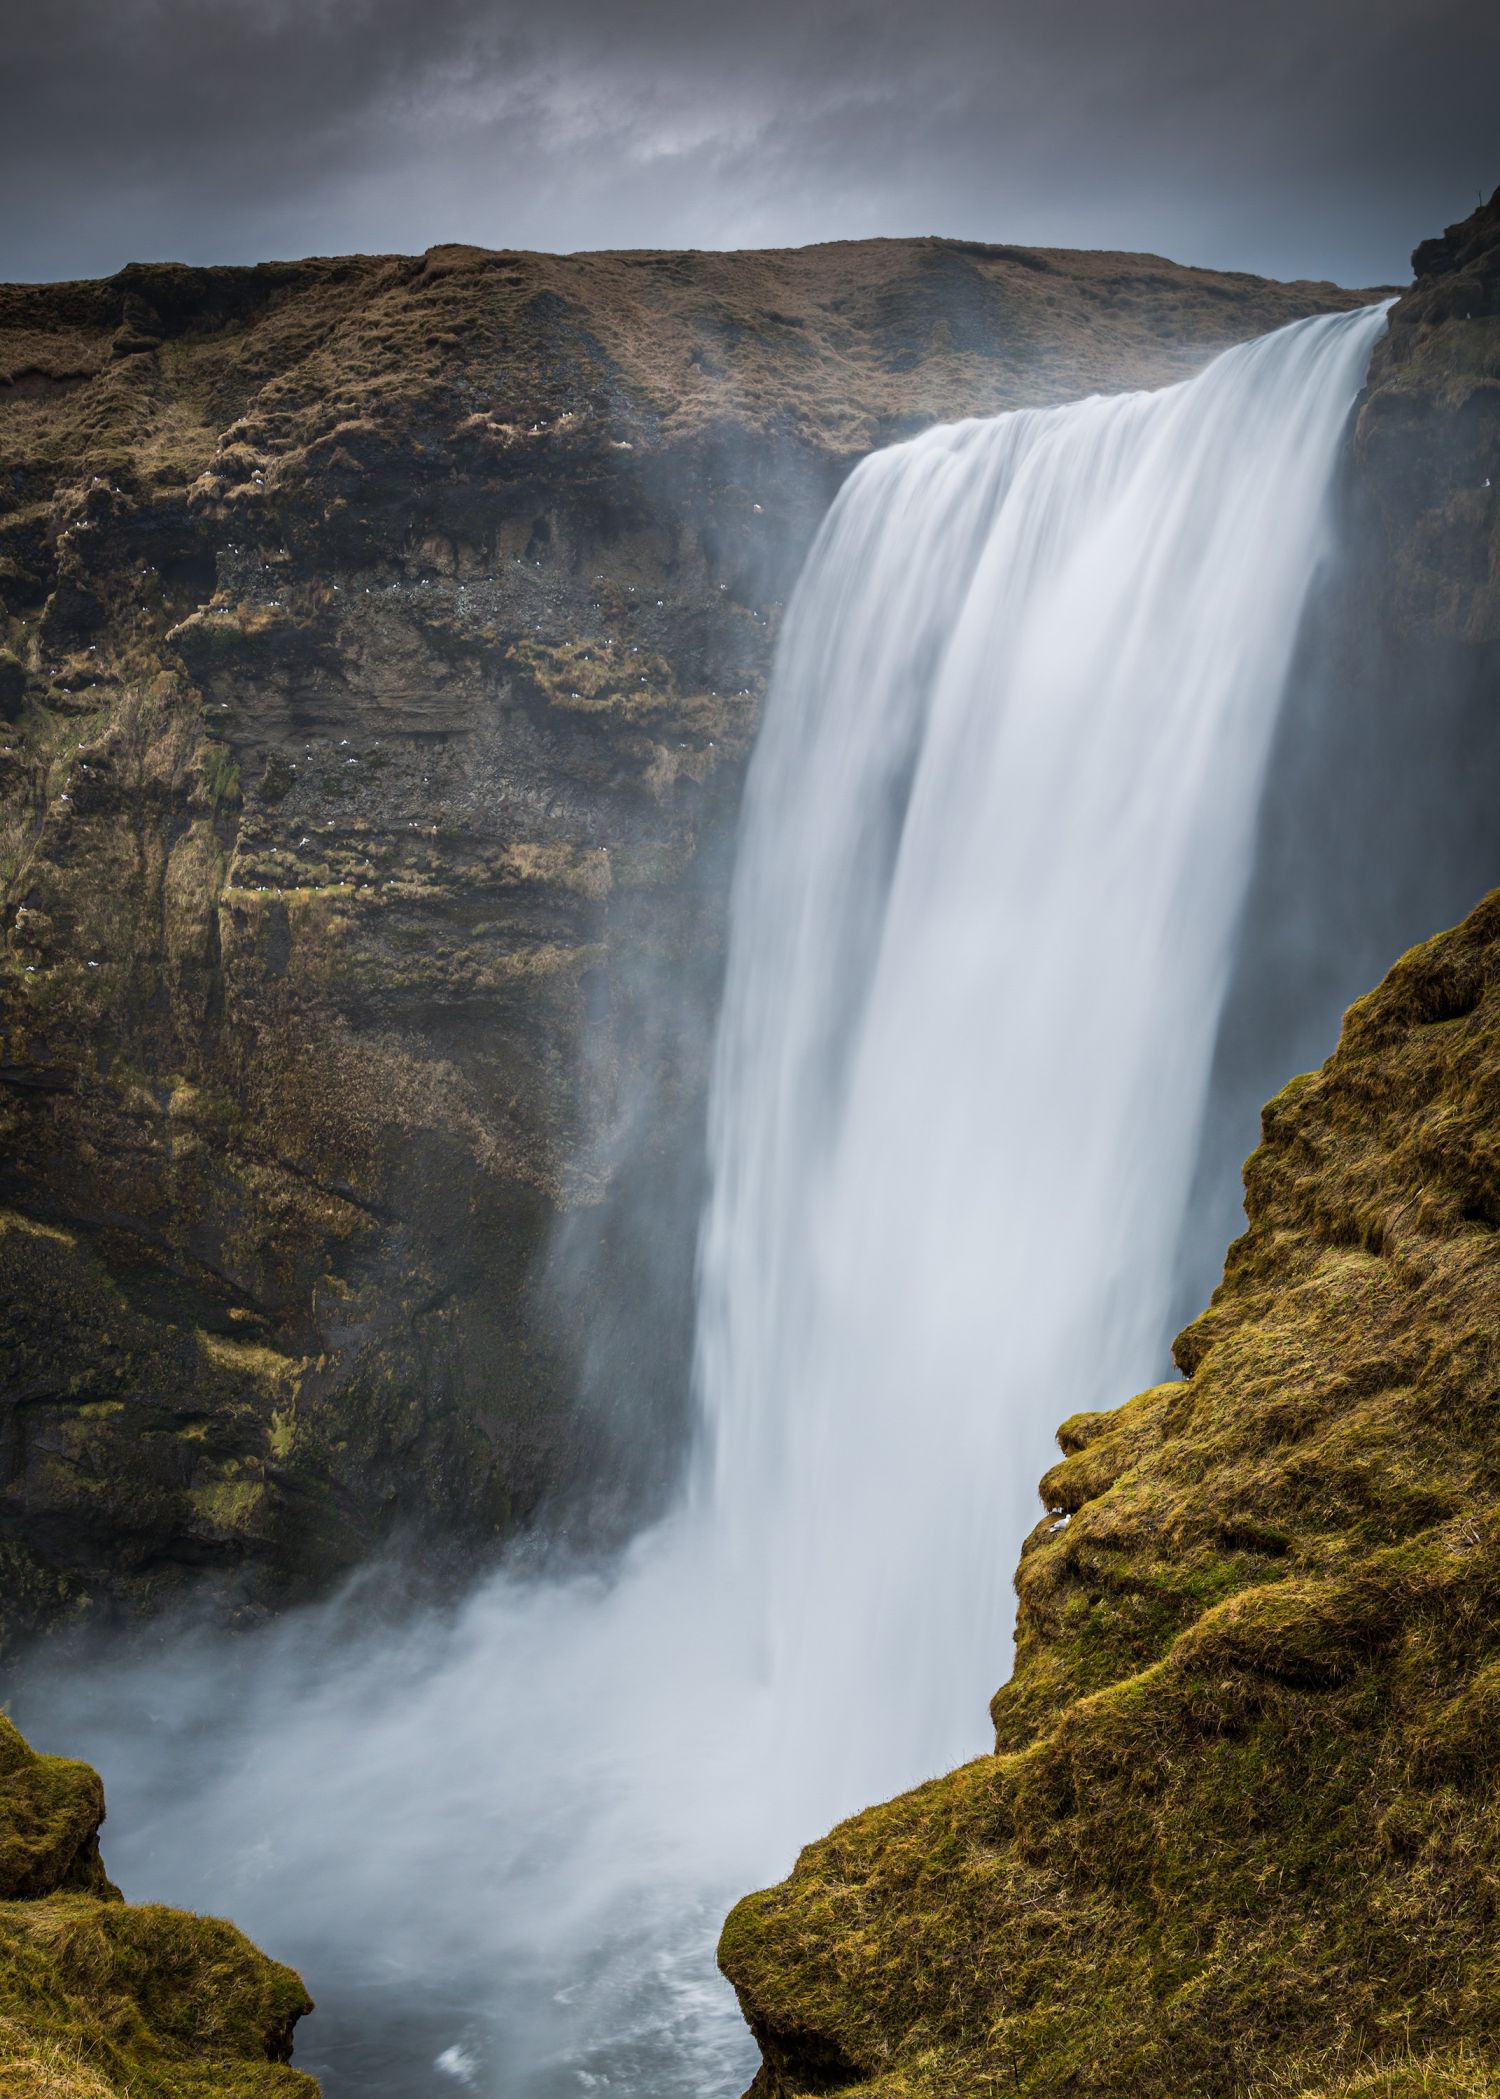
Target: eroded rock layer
<point>382,639</point>
<point>1239,1832</point>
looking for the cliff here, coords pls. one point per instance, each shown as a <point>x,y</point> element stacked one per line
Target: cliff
<point>382,639</point>
<point>99,1998</point>
<point>1239,1833</point>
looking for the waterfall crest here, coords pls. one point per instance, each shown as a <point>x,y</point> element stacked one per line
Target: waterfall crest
<point>997,831</point>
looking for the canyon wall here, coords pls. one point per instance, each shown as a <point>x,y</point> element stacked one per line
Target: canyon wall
<point>382,642</point>
<point>1239,1830</point>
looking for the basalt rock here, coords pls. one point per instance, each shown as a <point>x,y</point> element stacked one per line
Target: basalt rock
<point>1239,1830</point>
<point>1428,441</point>
<point>383,640</point>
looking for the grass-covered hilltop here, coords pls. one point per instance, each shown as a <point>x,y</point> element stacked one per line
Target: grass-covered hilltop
<point>1241,1830</point>
<point>101,1999</point>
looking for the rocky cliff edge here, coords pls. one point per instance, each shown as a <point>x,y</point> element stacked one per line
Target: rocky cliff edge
<point>100,1999</point>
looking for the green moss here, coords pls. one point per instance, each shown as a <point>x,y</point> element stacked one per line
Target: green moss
<point>50,1811</point>
<point>232,1502</point>
<point>221,776</point>
<point>102,2001</point>
<point>1450,2074</point>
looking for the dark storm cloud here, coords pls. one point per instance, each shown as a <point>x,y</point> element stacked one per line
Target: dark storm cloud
<point>1319,138</point>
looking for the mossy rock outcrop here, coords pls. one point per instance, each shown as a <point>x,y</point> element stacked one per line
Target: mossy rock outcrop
<point>100,1999</point>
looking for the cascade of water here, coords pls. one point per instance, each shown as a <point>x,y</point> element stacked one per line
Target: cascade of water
<point>997,832</point>
<point>996,835</point>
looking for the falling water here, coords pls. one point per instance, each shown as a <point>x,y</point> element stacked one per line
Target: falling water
<point>997,832</point>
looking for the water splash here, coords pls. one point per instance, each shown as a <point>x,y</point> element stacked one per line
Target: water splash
<point>997,833</point>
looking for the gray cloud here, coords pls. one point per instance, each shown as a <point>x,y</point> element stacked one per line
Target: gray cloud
<point>1298,137</point>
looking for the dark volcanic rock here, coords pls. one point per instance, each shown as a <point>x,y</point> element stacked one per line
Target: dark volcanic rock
<point>1429,435</point>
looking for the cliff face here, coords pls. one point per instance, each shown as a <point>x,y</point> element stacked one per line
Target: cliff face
<point>382,639</point>
<point>1428,440</point>
<point>99,1998</point>
<point>1239,1830</point>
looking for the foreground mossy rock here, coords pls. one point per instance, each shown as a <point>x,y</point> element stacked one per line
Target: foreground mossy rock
<point>100,1999</point>
<point>383,639</point>
<point>1242,1827</point>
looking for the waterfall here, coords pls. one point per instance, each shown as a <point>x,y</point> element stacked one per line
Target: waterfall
<point>997,832</point>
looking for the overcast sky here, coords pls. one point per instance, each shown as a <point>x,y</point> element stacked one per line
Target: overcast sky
<point>1293,137</point>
